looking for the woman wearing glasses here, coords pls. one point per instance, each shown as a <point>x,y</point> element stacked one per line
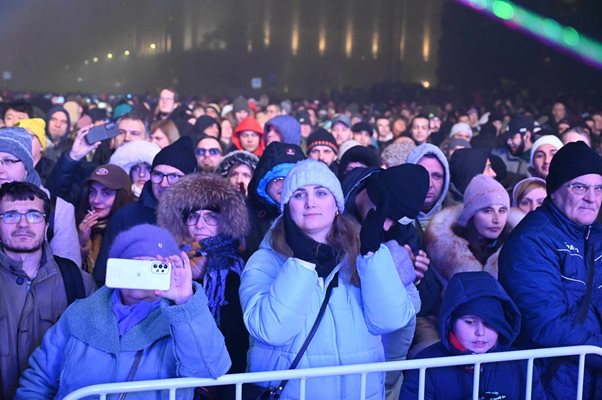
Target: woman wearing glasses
<point>208,217</point>
<point>169,165</point>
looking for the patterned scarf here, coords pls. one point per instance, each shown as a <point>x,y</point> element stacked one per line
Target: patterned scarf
<point>222,257</point>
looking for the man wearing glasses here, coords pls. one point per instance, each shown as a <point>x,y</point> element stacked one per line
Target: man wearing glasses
<point>208,153</point>
<point>551,265</point>
<point>33,289</point>
<point>169,165</point>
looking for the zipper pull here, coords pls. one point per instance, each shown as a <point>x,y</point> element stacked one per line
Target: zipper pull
<point>589,229</point>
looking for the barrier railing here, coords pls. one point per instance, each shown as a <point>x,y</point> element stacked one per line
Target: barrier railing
<point>358,369</point>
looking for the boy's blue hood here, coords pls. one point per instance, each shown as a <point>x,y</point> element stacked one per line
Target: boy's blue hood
<point>466,287</point>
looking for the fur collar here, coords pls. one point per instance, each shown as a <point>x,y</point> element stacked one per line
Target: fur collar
<point>450,253</point>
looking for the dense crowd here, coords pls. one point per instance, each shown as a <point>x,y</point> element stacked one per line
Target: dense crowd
<point>300,234</point>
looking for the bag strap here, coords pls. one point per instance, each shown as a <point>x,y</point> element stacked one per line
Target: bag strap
<point>277,392</point>
<point>132,372</point>
<point>72,279</point>
<point>50,230</point>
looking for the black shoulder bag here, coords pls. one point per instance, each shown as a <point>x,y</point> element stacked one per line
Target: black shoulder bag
<point>256,392</point>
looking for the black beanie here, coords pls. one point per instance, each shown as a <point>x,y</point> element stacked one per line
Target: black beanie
<point>179,154</point>
<point>405,186</point>
<point>321,137</point>
<point>490,310</point>
<point>365,155</point>
<point>465,164</point>
<point>203,122</point>
<point>572,160</point>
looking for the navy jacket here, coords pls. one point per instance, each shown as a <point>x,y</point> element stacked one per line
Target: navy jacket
<point>542,267</point>
<point>142,211</point>
<point>506,378</point>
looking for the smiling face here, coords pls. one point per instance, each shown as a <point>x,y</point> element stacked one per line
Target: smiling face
<point>582,209</point>
<point>101,199</point>
<point>313,209</point>
<point>474,334</point>
<point>489,222</point>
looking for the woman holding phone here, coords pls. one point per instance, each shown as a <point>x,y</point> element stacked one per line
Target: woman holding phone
<point>119,335</point>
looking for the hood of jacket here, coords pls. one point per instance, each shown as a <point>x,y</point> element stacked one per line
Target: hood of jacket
<point>469,287</point>
<point>289,128</point>
<point>415,156</point>
<point>451,253</point>
<point>198,191</point>
<point>47,119</point>
<point>248,124</point>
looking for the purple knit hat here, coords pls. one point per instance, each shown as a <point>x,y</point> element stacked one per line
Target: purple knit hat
<point>144,241</point>
<point>482,191</point>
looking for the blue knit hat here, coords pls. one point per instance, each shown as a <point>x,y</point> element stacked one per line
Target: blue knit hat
<point>144,241</point>
<point>17,141</point>
<point>311,172</point>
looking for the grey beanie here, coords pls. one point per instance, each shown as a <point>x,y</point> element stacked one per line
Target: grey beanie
<point>312,172</point>
<point>17,141</point>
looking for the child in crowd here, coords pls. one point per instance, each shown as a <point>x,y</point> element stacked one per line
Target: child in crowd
<point>477,317</point>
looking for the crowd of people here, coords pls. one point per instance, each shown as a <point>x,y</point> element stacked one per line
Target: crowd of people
<point>301,234</point>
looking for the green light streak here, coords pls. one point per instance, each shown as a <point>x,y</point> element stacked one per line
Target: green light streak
<point>565,37</point>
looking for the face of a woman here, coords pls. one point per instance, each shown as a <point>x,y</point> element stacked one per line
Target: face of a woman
<point>159,138</point>
<point>532,199</point>
<point>140,174</point>
<point>490,221</point>
<point>203,224</point>
<point>313,209</point>
<point>101,199</point>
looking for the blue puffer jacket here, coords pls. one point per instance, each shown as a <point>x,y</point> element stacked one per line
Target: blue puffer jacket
<point>84,348</point>
<point>543,269</point>
<point>281,298</point>
<point>449,383</point>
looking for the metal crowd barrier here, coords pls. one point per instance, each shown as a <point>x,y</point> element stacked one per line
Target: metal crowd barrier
<point>358,369</point>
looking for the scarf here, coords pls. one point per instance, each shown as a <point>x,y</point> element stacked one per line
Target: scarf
<point>222,258</point>
<point>305,248</point>
<point>129,316</point>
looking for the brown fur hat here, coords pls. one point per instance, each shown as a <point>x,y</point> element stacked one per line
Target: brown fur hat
<point>198,191</point>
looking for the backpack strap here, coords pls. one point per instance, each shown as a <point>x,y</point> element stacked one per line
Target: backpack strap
<point>50,230</point>
<point>72,278</point>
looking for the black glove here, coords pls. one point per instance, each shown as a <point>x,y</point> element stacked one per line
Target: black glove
<point>372,233</point>
<point>297,240</point>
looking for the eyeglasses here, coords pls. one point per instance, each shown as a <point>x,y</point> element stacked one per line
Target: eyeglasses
<point>8,162</point>
<point>212,152</point>
<point>277,181</point>
<point>581,188</point>
<point>157,177</point>
<point>210,218</point>
<point>14,217</point>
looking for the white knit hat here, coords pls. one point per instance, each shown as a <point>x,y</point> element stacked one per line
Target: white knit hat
<point>131,153</point>
<point>311,172</point>
<point>460,127</point>
<point>546,139</point>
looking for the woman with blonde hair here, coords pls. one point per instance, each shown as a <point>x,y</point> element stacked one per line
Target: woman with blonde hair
<point>310,272</point>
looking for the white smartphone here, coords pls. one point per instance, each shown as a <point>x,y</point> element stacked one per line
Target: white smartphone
<point>138,274</point>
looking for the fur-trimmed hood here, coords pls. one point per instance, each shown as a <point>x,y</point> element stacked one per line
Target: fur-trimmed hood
<point>198,191</point>
<point>450,253</point>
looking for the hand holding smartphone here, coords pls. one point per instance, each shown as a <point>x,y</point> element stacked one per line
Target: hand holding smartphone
<point>101,132</point>
<point>138,274</point>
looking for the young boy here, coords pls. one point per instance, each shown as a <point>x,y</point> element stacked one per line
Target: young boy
<point>477,317</point>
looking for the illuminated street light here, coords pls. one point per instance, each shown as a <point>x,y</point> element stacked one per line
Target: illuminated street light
<point>126,53</point>
<point>110,56</point>
<point>95,59</point>
<point>153,46</point>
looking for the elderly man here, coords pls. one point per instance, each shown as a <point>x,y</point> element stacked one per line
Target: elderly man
<point>551,265</point>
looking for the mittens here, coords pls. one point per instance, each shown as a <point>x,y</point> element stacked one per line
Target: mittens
<point>372,233</point>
